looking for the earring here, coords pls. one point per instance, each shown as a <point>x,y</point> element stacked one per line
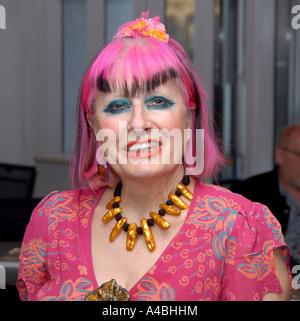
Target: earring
<point>102,166</point>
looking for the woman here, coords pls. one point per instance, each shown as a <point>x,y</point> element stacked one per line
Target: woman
<point>141,225</point>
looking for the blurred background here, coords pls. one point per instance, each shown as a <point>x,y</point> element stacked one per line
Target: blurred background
<point>245,51</point>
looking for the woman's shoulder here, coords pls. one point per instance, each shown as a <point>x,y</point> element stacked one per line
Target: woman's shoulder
<point>243,234</point>
<point>62,198</point>
<point>230,199</point>
<point>59,206</point>
<point>220,206</point>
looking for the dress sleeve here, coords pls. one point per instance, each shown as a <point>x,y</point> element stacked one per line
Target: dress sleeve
<point>33,272</point>
<point>249,271</point>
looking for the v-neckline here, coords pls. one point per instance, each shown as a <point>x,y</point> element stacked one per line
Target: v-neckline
<point>163,253</point>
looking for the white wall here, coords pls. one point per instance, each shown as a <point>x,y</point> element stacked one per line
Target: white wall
<point>259,80</point>
<point>31,86</point>
<point>30,91</point>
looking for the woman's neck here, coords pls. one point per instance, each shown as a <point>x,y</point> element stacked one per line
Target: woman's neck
<point>141,196</point>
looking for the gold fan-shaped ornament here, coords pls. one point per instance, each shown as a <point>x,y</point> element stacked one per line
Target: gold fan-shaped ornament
<point>108,291</point>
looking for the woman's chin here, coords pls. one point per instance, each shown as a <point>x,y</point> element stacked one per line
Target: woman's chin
<point>144,171</point>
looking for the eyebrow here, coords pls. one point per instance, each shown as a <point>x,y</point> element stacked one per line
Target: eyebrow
<point>137,86</point>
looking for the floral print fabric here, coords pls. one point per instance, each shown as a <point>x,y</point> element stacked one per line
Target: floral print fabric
<point>223,251</point>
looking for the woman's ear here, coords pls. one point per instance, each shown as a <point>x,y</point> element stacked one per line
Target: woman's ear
<point>90,120</point>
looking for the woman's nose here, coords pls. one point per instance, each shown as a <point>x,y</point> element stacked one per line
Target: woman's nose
<point>138,117</point>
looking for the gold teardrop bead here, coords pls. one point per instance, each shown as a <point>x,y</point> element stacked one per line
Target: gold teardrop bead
<point>111,214</point>
<point>117,229</point>
<point>169,209</point>
<point>148,235</point>
<point>132,236</point>
<point>116,199</point>
<point>185,191</point>
<point>159,220</point>
<point>178,201</point>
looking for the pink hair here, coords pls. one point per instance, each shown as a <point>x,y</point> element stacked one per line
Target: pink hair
<point>136,65</point>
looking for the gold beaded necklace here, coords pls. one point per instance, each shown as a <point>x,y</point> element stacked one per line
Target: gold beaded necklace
<point>115,212</point>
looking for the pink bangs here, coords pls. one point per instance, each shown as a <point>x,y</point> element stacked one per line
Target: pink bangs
<point>132,66</point>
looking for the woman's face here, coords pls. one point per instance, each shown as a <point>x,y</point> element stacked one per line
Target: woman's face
<point>145,134</point>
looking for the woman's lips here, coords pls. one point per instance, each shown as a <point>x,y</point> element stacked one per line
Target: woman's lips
<point>143,149</point>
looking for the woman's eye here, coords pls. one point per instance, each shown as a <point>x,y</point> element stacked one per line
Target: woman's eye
<point>159,103</point>
<point>117,106</point>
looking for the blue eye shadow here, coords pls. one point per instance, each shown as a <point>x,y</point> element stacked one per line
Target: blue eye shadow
<point>117,106</point>
<point>152,102</point>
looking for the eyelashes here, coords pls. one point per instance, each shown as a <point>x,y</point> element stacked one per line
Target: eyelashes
<point>118,106</point>
<point>154,102</point>
<point>158,102</point>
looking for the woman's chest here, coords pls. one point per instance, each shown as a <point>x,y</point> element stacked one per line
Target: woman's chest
<point>111,260</point>
<point>186,267</point>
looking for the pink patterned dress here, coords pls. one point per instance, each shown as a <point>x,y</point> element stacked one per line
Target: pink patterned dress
<point>223,251</point>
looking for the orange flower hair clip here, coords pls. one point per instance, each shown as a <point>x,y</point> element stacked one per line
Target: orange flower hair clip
<point>143,27</point>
